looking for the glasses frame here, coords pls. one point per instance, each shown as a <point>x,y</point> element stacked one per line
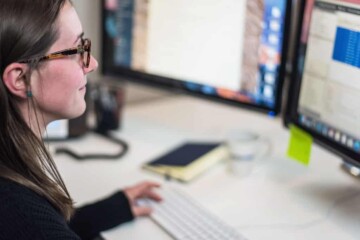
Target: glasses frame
<point>81,49</point>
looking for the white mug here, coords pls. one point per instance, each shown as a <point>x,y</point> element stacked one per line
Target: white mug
<point>246,150</point>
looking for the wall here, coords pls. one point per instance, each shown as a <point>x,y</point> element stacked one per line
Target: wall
<point>89,12</point>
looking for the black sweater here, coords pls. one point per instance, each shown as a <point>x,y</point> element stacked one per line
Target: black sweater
<point>26,215</point>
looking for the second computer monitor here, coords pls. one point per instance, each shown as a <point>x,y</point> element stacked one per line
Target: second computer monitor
<point>325,91</point>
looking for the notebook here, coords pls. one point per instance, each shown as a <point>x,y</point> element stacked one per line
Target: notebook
<point>188,160</point>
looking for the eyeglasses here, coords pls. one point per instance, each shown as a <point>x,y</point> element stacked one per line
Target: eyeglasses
<point>84,50</point>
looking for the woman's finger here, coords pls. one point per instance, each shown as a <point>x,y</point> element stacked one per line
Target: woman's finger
<point>153,195</point>
<point>141,211</point>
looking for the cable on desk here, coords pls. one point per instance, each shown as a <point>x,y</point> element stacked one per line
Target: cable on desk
<point>124,149</point>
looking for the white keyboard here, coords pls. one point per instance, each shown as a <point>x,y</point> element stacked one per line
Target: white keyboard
<point>184,219</point>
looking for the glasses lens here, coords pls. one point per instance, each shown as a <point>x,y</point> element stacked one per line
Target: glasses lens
<point>87,52</point>
<point>85,58</point>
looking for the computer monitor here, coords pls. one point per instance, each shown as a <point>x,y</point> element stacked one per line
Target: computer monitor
<point>324,95</point>
<point>229,50</point>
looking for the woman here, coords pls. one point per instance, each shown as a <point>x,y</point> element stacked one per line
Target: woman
<point>41,82</point>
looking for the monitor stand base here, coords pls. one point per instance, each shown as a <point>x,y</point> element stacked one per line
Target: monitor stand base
<point>351,169</point>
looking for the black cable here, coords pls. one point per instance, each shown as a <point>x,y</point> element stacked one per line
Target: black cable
<point>124,149</point>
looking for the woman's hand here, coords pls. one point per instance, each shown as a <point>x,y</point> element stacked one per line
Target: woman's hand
<point>141,190</point>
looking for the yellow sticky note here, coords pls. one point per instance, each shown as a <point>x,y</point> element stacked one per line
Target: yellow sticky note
<point>300,144</point>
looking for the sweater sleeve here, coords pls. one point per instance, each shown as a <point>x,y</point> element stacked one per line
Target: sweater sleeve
<point>88,221</point>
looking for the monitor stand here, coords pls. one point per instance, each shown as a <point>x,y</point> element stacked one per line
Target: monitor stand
<point>350,168</point>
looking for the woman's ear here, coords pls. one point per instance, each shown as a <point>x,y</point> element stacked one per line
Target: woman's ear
<point>14,78</point>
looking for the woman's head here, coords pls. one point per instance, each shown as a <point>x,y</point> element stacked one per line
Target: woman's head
<point>57,85</point>
<point>35,91</point>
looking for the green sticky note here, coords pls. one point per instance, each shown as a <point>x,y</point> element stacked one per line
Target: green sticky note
<point>299,145</point>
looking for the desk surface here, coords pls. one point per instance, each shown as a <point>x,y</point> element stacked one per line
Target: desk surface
<point>281,199</point>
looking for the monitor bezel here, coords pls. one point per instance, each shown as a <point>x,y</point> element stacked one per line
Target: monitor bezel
<point>291,116</point>
<point>126,74</point>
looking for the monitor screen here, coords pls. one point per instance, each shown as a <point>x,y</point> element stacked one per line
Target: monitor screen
<point>227,50</point>
<point>324,95</point>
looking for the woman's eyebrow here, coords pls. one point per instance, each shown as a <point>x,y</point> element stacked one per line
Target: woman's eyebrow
<point>80,36</point>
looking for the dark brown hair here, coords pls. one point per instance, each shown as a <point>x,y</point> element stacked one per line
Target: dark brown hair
<point>28,28</point>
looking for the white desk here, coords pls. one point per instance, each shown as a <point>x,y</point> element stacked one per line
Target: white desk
<point>280,200</point>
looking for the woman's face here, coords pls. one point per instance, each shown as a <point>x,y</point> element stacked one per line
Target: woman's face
<point>59,85</point>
